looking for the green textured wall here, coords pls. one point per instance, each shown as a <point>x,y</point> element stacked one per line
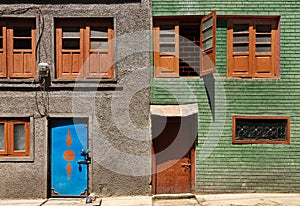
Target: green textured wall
<point>250,167</point>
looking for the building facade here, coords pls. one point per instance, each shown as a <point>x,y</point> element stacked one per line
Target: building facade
<point>68,117</point>
<point>77,114</point>
<point>233,65</point>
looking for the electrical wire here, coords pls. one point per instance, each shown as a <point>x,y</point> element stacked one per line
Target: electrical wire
<point>41,26</point>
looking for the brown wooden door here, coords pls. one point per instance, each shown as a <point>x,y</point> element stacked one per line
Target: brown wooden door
<point>173,151</point>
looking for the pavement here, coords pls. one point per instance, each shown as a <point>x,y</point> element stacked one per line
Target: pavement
<point>254,199</point>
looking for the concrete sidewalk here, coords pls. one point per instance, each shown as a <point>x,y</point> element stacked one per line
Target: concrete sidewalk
<point>251,199</point>
<point>255,199</point>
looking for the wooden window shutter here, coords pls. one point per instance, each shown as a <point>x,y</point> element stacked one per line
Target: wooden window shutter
<point>20,140</point>
<point>21,44</point>
<point>265,58</point>
<point>208,44</point>
<point>99,54</point>
<point>3,64</point>
<point>69,50</point>
<point>3,136</point>
<point>239,48</point>
<point>166,50</point>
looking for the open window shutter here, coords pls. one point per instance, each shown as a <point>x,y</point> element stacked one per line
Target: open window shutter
<point>166,50</point>
<point>3,52</point>
<point>3,138</point>
<point>208,44</point>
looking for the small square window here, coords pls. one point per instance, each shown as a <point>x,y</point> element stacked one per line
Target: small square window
<point>14,137</point>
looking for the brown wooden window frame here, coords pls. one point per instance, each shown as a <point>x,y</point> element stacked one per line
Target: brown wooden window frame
<point>9,150</point>
<point>260,141</point>
<point>84,62</point>
<point>252,63</point>
<point>166,64</point>
<point>17,61</point>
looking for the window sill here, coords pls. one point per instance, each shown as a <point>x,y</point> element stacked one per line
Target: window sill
<point>84,84</point>
<point>236,142</point>
<point>84,81</point>
<point>18,81</point>
<point>250,79</point>
<point>16,159</point>
<point>183,77</point>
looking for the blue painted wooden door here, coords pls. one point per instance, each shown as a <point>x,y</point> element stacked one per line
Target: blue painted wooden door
<point>68,140</point>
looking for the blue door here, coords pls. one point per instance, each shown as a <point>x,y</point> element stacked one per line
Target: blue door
<point>69,171</point>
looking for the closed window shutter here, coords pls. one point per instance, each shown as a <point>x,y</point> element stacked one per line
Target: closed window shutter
<point>69,51</point>
<point>239,48</point>
<point>252,48</point>
<point>21,44</point>
<point>208,44</point>
<point>84,49</point>
<point>166,50</point>
<point>265,49</point>
<point>99,58</point>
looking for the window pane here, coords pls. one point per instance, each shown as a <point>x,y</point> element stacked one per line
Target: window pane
<point>208,23</point>
<point>71,32</point>
<point>71,43</point>
<point>207,33</point>
<point>263,38</point>
<point>99,31</point>
<point>22,43</point>
<point>1,136</point>
<point>167,48</point>
<point>240,38</point>
<point>240,28</point>
<point>19,137</point>
<point>207,44</point>
<point>240,48</point>
<point>167,34</point>
<point>98,44</point>
<point>167,38</point>
<point>22,32</point>
<point>263,48</point>
<point>263,28</point>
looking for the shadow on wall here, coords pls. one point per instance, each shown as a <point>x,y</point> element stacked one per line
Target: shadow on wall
<point>210,89</point>
<point>71,1</point>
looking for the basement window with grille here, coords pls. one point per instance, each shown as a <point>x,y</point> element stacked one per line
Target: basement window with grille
<point>260,130</point>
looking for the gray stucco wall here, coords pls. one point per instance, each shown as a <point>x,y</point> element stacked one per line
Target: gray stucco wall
<point>118,111</point>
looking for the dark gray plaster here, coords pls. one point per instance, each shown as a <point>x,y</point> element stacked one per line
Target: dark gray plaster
<point>94,100</point>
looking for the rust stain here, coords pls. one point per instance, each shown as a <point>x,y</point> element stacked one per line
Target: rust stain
<point>69,138</point>
<point>69,170</point>
<point>69,155</point>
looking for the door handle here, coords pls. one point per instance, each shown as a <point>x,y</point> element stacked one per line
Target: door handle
<point>86,161</point>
